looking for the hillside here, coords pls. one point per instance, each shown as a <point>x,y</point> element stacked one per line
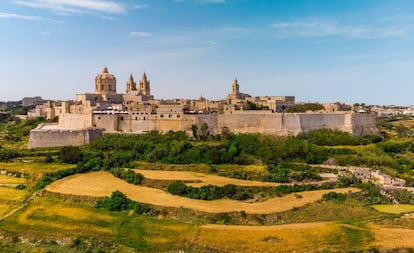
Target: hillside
<point>235,193</point>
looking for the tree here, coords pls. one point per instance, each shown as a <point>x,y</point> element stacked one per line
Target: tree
<point>204,131</point>
<point>194,129</point>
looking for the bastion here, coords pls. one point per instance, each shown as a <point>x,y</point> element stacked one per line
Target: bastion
<point>51,135</point>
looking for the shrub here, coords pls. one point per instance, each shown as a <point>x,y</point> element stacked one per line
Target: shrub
<point>177,188</point>
<point>331,137</point>
<point>7,154</point>
<point>120,202</point>
<point>129,175</point>
<point>70,154</point>
<point>334,196</point>
<point>306,107</point>
<point>20,187</point>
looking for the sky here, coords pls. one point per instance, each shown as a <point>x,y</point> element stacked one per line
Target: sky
<point>319,51</point>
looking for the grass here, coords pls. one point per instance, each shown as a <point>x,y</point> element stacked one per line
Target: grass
<point>300,237</point>
<point>33,167</point>
<point>11,180</point>
<point>104,184</point>
<point>256,172</point>
<point>394,208</point>
<point>11,194</point>
<point>349,209</point>
<point>5,208</point>
<point>54,219</point>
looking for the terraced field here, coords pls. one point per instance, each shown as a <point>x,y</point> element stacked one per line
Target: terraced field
<point>197,179</point>
<point>101,184</point>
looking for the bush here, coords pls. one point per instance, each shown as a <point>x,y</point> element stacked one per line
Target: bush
<point>334,196</point>
<point>177,188</point>
<point>306,107</point>
<point>20,187</point>
<point>120,202</point>
<point>129,175</point>
<point>70,154</point>
<point>210,192</point>
<point>331,137</point>
<point>117,202</point>
<point>7,154</point>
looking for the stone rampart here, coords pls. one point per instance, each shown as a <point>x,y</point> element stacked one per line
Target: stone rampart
<point>248,122</point>
<point>75,120</point>
<point>295,123</point>
<point>43,136</point>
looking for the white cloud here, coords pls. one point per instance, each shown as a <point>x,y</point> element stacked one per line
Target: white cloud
<point>17,16</point>
<point>74,6</point>
<point>141,34</point>
<point>318,29</point>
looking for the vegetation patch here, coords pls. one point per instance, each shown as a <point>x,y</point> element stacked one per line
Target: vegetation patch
<point>120,202</point>
<point>394,208</point>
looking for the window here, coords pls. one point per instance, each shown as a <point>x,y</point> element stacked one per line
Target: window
<point>162,116</point>
<point>122,118</point>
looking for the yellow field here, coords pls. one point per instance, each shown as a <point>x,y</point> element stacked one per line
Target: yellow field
<point>200,178</point>
<point>301,237</point>
<point>394,209</point>
<point>48,214</point>
<point>390,238</point>
<point>12,194</point>
<point>4,209</point>
<point>101,184</point>
<point>11,180</point>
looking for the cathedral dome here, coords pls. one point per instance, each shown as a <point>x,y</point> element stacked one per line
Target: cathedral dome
<point>105,74</point>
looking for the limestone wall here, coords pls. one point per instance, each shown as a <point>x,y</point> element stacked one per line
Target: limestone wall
<point>248,122</point>
<point>363,124</point>
<point>43,137</point>
<point>75,121</point>
<point>312,121</point>
<point>295,123</point>
<point>198,119</point>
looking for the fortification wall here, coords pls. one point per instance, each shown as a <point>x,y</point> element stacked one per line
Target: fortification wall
<point>75,121</point>
<point>199,119</point>
<point>295,123</point>
<point>248,122</point>
<point>43,137</point>
<point>363,124</point>
<point>312,121</point>
<point>251,123</point>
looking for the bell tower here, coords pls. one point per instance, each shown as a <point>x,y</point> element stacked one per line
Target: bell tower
<point>131,84</point>
<point>144,86</point>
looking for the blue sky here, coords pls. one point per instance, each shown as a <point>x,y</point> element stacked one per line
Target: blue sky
<point>320,51</point>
